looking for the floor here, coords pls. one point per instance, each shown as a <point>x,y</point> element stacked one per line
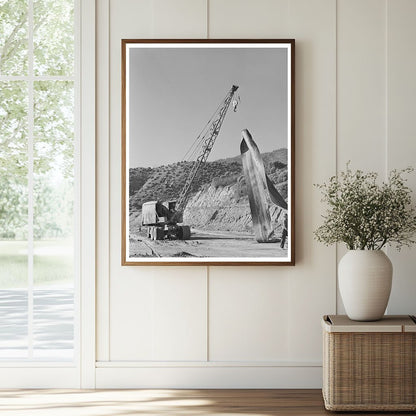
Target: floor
<point>164,402</point>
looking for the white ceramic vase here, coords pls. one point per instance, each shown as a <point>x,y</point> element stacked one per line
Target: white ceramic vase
<point>364,278</point>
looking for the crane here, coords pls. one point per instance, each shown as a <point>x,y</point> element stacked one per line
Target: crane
<point>208,144</point>
<point>162,218</point>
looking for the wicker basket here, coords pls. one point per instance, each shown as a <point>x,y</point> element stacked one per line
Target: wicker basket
<point>369,366</point>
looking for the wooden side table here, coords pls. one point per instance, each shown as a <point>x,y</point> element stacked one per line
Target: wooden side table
<point>369,366</point>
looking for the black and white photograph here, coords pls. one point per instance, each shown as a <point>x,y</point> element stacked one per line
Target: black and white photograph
<point>208,152</point>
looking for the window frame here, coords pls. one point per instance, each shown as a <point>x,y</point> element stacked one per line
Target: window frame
<point>81,371</point>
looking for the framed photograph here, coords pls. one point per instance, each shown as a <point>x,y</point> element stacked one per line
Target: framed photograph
<point>208,136</point>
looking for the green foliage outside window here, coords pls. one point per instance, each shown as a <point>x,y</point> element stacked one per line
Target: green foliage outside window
<point>53,119</point>
<point>13,37</point>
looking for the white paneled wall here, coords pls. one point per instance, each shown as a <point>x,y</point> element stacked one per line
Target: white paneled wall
<point>248,326</point>
<point>163,314</point>
<point>252,325</point>
<point>361,84</point>
<point>401,131</point>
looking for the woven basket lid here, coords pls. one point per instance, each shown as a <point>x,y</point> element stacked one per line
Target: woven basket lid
<point>390,323</point>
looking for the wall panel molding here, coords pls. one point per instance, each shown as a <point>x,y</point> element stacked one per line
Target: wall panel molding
<point>203,364</point>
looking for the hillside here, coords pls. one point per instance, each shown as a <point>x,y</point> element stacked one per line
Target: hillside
<point>218,199</point>
<point>166,182</point>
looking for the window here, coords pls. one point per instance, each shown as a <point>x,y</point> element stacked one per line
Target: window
<point>38,185</point>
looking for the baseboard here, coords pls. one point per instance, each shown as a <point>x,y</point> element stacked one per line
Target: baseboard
<point>169,375</point>
<point>209,377</point>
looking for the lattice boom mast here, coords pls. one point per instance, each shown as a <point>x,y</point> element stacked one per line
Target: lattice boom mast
<point>208,144</point>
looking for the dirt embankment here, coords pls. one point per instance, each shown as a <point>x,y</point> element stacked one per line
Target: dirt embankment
<point>225,208</point>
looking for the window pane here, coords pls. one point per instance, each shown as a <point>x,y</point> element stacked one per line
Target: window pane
<point>53,37</point>
<point>13,130</point>
<point>13,323</point>
<point>13,37</point>
<point>13,219</point>
<point>53,319</point>
<point>53,197</point>
<point>13,162</point>
<point>54,175</point>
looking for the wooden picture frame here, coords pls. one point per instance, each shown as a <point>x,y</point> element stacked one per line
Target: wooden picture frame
<point>230,200</point>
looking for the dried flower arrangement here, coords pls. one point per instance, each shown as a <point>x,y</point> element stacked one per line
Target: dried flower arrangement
<point>365,214</point>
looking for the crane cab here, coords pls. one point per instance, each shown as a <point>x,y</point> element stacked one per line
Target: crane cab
<point>157,213</point>
<point>161,220</point>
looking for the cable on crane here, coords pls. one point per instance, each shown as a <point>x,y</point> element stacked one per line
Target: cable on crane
<point>196,145</point>
<point>198,142</point>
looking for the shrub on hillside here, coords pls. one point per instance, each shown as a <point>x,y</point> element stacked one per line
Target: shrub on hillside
<point>276,165</point>
<point>224,180</point>
<point>137,178</point>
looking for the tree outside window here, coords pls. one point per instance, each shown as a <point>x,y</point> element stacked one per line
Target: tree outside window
<point>37,125</point>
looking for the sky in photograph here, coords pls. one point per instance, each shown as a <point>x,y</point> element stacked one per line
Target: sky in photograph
<point>175,91</point>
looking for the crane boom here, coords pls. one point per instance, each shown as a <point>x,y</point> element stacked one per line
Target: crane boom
<point>208,143</point>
